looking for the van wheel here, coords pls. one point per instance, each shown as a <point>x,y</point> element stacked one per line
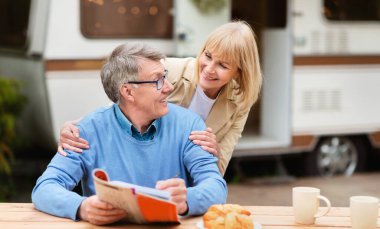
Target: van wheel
<point>337,155</point>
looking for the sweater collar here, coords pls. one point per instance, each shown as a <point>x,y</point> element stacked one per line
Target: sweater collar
<point>127,125</point>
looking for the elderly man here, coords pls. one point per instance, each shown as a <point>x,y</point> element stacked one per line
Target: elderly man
<point>141,139</point>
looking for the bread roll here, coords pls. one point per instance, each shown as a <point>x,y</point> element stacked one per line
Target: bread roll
<point>227,216</point>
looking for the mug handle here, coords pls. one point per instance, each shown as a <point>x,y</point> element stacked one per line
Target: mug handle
<point>328,206</point>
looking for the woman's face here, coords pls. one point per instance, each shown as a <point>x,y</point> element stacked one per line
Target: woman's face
<point>214,73</point>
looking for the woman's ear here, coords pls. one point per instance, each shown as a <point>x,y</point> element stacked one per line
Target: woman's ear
<point>127,92</point>
<point>238,74</point>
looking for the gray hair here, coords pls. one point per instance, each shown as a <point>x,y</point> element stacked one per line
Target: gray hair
<point>123,66</point>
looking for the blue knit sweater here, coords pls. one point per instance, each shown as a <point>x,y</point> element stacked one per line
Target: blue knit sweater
<point>113,149</point>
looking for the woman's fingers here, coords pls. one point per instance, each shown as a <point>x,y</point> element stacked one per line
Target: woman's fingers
<point>202,137</point>
<point>70,140</point>
<point>204,143</point>
<point>207,140</point>
<point>67,137</point>
<point>61,151</point>
<point>67,133</point>
<point>72,148</point>
<point>208,129</point>
<point>211,150</point>
<point>76,143</point>
<point>74,130</point>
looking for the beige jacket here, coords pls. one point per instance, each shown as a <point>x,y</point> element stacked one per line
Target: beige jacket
<point>226,118</point>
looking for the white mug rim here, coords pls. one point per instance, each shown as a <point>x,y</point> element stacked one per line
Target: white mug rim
<point>306,189</point>
<point>364,199</point>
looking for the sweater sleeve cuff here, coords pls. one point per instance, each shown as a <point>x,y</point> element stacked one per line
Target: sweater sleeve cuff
<point>76,204</point>
<point>194,203</point>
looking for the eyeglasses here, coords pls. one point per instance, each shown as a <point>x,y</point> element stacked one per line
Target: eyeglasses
<point>159,83</point>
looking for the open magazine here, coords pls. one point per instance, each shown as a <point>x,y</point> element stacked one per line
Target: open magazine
<point>142,204</point>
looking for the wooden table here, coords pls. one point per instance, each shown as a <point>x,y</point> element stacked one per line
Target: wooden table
<point>23,215</point>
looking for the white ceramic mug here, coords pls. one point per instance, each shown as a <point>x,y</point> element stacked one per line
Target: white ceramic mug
<point>306,203</point>
<point>364,211</point>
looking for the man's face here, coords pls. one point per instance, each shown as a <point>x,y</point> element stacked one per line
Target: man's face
<point>151,102</point>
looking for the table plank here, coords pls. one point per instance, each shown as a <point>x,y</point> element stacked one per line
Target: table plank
<point>10,207</point>
<point>275,220</point>
<point>24,215</point>
<point>34,216</point>
<point>288,211</point>
<point>46,225</point>
<point>84,225</point>
<point>303,227</point>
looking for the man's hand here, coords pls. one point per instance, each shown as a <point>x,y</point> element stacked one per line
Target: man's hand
<point>178,190</point>
<point>69,139</point>
<point>207,140</point>
<point>98,212</point>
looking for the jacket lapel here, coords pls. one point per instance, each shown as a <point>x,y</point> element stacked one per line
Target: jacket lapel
<point>183,94</point>
<point>184,88</point>
<point>189,89</point>
<point>223,109</point>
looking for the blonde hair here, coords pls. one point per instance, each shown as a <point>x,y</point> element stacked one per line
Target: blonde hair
<point>235,42</point>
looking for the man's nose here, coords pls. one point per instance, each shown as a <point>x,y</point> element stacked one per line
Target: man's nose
<point>168,87</point>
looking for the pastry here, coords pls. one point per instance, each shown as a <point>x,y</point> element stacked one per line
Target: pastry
<point>227,216</point>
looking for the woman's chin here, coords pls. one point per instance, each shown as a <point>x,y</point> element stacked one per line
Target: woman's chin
<point>206,83</point>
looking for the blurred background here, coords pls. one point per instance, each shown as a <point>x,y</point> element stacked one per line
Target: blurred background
<point>317,119</point>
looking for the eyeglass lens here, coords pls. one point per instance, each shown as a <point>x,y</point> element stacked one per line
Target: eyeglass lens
<point>160,83</point>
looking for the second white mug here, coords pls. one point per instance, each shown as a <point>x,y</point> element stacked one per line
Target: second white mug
<point>364,212</point>
<point>306,204</point>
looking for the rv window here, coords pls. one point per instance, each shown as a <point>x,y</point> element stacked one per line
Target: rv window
<point>14,17</point>
<point>276,13</point>
<point>352,10</point>
<point>127,18</point>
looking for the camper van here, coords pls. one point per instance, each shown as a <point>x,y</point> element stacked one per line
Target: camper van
<point>336,81</point>
<point>62,45</point>
<point>320,58</point>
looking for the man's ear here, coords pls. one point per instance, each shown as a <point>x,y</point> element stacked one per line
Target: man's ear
<point>127,92</point>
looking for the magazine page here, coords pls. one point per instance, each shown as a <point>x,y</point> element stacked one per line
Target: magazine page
<point>164,195</point>
<point>119,197</point>
<point>142,204</point>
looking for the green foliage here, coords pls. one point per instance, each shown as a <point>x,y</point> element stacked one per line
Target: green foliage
<point>11,104</point>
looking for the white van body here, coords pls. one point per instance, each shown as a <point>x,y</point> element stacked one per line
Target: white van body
<point>336,82</point>
<point>314,34</point>
<point>68,93</point>
<point>81,91</point>
<point>334,98</point>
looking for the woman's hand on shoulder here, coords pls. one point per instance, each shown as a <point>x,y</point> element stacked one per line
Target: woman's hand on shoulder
<point>207,140</point>
<point>69,139</point>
